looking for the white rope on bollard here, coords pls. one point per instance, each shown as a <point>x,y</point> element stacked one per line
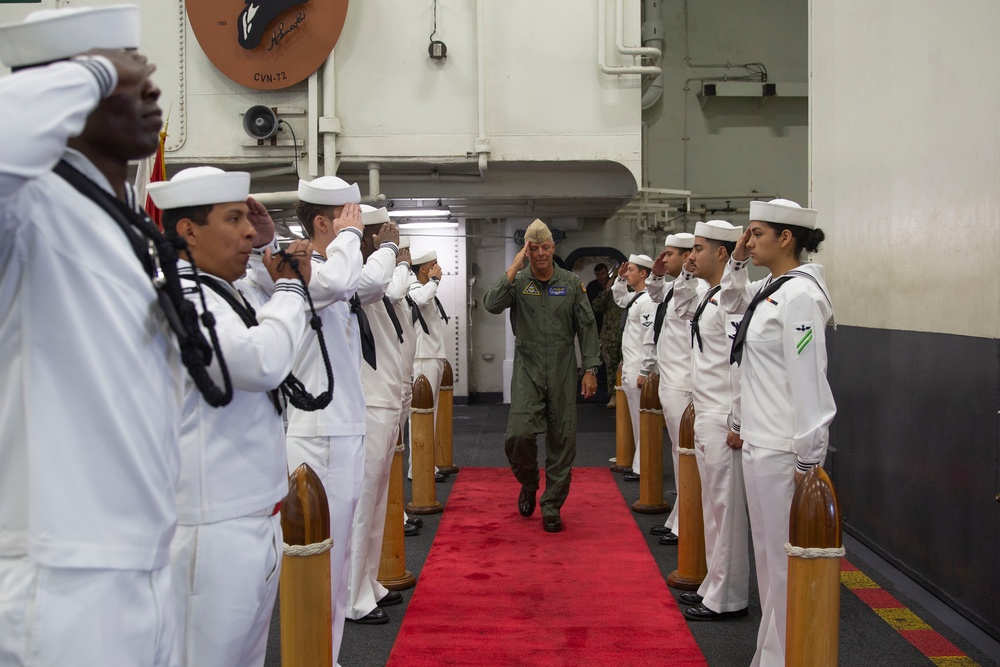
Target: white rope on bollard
<point>448,388</point>
<point>805,552</point>
<point>685,451</point>
<point>421,411</point>
<point>651,410</point>
<point>400,448</point>
<point>308,549</point>
<point>618,387</point>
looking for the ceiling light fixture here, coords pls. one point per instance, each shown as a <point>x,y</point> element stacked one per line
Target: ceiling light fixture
<point>444,224</point>
<point>420,213</point>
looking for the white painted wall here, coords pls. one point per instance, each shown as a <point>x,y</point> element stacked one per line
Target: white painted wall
<point>905,155</point>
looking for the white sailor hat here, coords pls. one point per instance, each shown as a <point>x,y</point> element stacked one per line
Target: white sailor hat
<point>404,242</point>
<point>423,257</point>
<point>679,240</point>
<point>198,186</point>
<point>329,191</point>
<point>641,260</point>
<point>783,212</point>
<point>718,230</point>
<point>373,216</point>
<point>56,34</point>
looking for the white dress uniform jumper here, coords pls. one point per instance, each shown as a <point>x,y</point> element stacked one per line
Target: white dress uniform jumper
<point>91,376</point>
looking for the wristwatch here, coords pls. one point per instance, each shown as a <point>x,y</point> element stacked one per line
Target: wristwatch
<point>592,371</point>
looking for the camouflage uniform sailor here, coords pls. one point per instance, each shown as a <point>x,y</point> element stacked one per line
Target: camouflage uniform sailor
<point>549,307</point>
<point>610,337</point>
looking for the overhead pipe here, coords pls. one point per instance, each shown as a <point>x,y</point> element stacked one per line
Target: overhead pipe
<point>329,124</point>
<point>482,147</point>
<point>602,30</point>
<point>374,186</point>
<point>312,127</point>
<point>652,34</point>
<point>646,51</point>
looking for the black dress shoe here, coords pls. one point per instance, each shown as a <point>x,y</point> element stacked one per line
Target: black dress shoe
<point>689,598</point>
<point>661,530</point>
<point>551,524</point>
<point>418,522</point>
<point>390,598</point>
<point>526,501</point>
<point>630,476</point>
<point>702,613</point>
<point>668,539</point>
<point>374,617</point>
<point>440,477</point>
<point>410,531</point>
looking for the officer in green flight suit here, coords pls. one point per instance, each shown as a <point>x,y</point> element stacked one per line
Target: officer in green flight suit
<point>549,306</point>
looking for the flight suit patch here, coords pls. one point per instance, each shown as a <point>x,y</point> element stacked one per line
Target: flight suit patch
<point>531,290</point>
<point>557,291</point>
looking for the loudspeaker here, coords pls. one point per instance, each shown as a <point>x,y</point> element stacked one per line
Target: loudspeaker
<point>260,122</point>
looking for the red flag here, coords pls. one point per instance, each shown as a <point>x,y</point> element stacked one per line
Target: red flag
<point>158,173</point>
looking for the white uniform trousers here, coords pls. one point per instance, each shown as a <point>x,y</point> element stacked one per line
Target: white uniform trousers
<point>674,403</point>
<point>632,394</point>
<point>404,422</point>
<point>340,462</point>
<point>52,617</point>
<point>225,577</point>
<point>364,590</point>
<point>770,482</point>
<point>432,369</point>
<point>723,496</point>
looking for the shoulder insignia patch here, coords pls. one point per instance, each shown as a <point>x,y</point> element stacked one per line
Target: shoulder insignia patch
<point>531,289</point>
<point>557,291</point>
<point>646,321</point>
<point>583,287</point>
<point>806,338</point>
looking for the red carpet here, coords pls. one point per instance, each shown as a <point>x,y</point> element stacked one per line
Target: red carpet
<point>497,590</point>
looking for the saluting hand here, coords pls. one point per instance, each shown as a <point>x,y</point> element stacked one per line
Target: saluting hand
<point>133,67</point>
<point>387,233</point>
<point>660,263</point>
<point>262,223</point>
<point>519,261</point>
<point>740,253</point>
<point>280,265</point>
<point>622,269</point>
<point>435,271</point>
<point>403,256</point>
<point>349,217</point>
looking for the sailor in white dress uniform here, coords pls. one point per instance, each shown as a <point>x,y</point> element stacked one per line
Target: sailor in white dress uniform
<point>226,554</point>
<point>89,369</point>
<point>637,339</point>
<point>714,384</point>
<point>787,405</point>
<point>672,338</point>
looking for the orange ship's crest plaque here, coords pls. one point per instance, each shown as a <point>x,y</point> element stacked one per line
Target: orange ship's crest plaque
<point>267,44</point>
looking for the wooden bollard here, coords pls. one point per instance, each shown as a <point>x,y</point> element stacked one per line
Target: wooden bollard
<point>445,422</point>
<point>815,551</point>
<point>304,586</point>
<point>651,452</point>
<point>392,572</point>
<point>624,439</point>
<point>422,448</point>
<point>691,566</point>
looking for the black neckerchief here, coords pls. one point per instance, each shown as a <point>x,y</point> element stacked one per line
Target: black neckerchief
<point>444,315</point>
<point>367,337</point>
<point>392,316</point>
<point>416,314</point>
<point>625,312</point>
<point>158,257</point>
<point>695,326</point>
<point>661,314</point>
